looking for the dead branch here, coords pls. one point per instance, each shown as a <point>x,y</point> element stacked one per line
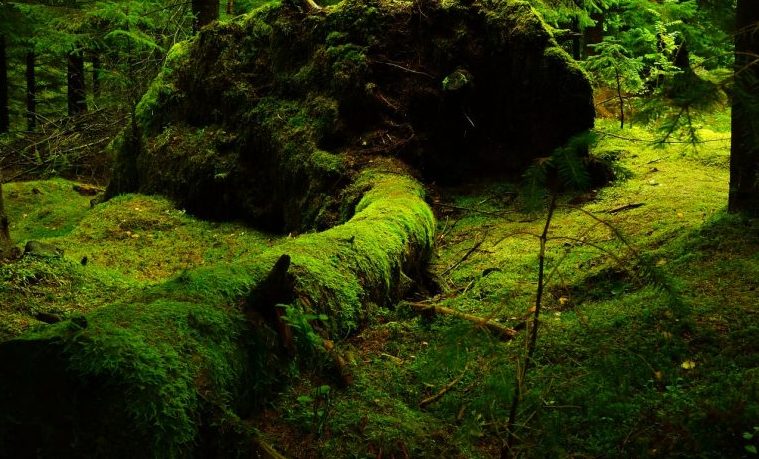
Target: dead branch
<point>444,390</point>
<point>503,332</point>
<point>625,207</point>
<point>464,258</point>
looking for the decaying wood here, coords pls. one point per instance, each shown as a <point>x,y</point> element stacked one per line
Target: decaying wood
<point>312,5</point>
<point>341,363</point>
<point>276,289</point>
<point>502,332</point>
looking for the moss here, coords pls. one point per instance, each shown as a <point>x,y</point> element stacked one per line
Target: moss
<point>42,209</point>
<point>181,351</point>
<point>161,89</point>
<point>147,239</point>
<point>167,358</point>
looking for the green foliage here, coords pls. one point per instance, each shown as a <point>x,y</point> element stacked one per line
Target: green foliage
<point>566,168</point>
<point>611,66</point>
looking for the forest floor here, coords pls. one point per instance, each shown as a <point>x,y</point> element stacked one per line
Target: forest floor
<point>627,364</point>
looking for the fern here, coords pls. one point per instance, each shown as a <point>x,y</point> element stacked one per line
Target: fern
<point>568,161</point>
<point>534,189</point>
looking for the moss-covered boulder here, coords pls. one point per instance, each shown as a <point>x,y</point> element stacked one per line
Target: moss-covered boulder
<point>265,117</point>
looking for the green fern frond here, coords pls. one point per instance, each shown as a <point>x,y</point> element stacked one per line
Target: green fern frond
<point>571,168</point>
<point>569,163</point>
<point>534,189</point>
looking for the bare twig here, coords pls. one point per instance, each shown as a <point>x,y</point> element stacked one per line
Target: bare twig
<point>632,205</point>
<point>503,332</point>
<point>444,390</point>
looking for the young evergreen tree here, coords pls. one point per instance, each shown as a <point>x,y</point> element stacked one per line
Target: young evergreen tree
<point>744,152</point>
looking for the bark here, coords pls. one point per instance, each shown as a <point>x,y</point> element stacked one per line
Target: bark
<point>96,68</point>
<point>31,92</point>
<point>77,96</point>
<point>594,34</point>
<point>205,12</point>
<point>4,113</point>
<point>744,151</point>
<point>6,247</point>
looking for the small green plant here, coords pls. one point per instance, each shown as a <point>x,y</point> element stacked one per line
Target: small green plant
<point>319,402</point>
<point>752,439</point>
<point>300,322</point>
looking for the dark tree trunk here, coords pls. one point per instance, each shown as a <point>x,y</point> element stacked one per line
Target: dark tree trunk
<point>31,92</point>
<point>6,248</point>
<point>96,67</point>
<point>4,116</point>
<point>77,100</point>
<point>594,34</point>
<point>744,152</point>
<point>205,12</point>
<point>576,42</point>
<point>230,6</point>
<point>682,57</point>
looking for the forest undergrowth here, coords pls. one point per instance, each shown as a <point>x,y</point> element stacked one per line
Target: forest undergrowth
<point>620,369</point>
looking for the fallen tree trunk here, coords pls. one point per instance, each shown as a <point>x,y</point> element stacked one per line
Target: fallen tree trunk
<point>149,373</point>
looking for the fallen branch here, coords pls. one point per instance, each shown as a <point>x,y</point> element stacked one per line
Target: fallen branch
<point>444,390</point>
<point>464,258</point>
<point>626,207</point>
<point>501,331</point>
<point>477,211</point>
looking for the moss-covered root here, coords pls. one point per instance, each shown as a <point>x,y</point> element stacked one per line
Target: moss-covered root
<point>158,373</point>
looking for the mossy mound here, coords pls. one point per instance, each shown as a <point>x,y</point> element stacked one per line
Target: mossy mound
<point>265,117</point>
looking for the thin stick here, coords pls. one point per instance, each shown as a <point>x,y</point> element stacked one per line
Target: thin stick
<point>464,258</point>
<point>501,331</point>
<point>444,390</point>
<point>506,451</point>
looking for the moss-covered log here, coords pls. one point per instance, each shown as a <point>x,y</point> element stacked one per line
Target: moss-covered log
<point>157,372</point>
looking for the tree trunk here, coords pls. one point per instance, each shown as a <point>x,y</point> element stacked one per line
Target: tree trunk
<point>205,12</point>
<point>96,68</point>
<point>6,247</point>
<point>31,92</point>
<point>4,115</point>
<point>594,34</point>
<point>744,152</point>
<point>576,42</point>
<point>77,100</point>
